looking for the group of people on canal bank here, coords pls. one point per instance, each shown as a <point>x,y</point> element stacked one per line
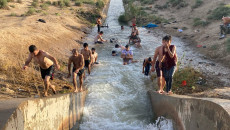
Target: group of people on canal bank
<point>163,62</point>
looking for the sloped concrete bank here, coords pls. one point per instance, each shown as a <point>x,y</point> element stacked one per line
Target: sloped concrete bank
<point>60,112</point>
<point>190,113</point>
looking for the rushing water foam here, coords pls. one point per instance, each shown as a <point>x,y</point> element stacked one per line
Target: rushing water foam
<point>117,98</point>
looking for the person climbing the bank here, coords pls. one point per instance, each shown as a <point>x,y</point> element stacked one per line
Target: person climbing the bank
<point>47,65</point>
<point>170,62</point>
<point>225,28</point>
<point>98,39</point>
<point>147,66</point>
<point>78,68</point>
<point>99,24</point>
<point>127,56</point>
<point>87,54</point>
<point>158,55</point>
<point>94,56</point>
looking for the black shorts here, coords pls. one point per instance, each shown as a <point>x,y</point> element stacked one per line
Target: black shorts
<point>87,63</point>
<point>80,72</point>
<point>158,70</point>
<point>47,72</point>
<point>98,42</point>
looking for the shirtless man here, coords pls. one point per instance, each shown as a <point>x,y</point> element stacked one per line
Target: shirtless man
<point>99,24</point>
<point>156,62</point>
<point>94,56</point>
<point>46,63</point>
<point>87,56</point>
<point>135,37</point>
<point>78,68</point>
<point>98,39</point>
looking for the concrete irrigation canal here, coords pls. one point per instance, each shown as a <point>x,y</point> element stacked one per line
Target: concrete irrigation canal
<point>120,97</point>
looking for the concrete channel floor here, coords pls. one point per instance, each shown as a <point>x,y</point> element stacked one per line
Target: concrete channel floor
<point>7,107</point>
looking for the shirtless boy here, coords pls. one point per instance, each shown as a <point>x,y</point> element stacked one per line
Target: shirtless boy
<point>78,68</point>
<point>99,24</point>
<point>157,56</point>
<point>87,54</point>
<point>98,39</point>
<point>47,64</point>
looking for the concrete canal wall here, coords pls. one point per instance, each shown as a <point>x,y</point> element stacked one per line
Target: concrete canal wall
<point>55,113</point>
<point>190,113</point>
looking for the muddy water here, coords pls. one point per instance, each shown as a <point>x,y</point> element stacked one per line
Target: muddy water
<point>117,97</point>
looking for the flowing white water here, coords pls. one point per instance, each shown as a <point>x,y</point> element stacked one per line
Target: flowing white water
<point>117,98</point>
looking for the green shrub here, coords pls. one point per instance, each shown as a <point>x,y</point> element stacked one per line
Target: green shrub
<point>197,4</point>
<point>199,22</point>
<point>123,18</point>
<point>61,3</point>
<point>55,3</point>
<point>227,43</point>
<point>13,14</point>
<point>67,3</point>
<point>31,11</point>
<point>100,4</point>
<point>10,0</point>
<point>90,2</point>
<point>48,2</point>
<point>34,4</point>
<point>77,3</point>
<point>178,3</point>
<point>44,6</point>
<point>219,12</point>
<point>3,4</point>
<point>90,16</point>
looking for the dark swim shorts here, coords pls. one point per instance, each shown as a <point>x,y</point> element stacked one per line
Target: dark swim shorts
<point>87,63</point>
<point>80,72</point>
<point>98,42</point>
<point>158,70</point>
<point>47,72</point>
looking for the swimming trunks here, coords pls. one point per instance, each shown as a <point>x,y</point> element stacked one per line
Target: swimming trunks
<point>87,63</point>
<point>80,72</point>
<point>99,42</point>
<point>47,72</point>
<point>158,70</point>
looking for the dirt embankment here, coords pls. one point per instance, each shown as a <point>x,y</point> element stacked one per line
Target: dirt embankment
<point>62,32</point>
<point>206,36</point>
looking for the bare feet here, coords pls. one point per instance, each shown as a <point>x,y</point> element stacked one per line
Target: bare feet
<point>45,94</point>
<point>170,92</point>
<point>53,89</point>
<point>76,91</point>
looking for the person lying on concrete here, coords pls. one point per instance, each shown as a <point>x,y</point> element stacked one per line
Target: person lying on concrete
<point>99,23</point>
<point>98,39</point>
<point>170,62</point>
<point>158,55</point>
<point>146,66</point>
<point>78,68</point>
<point>117,50</point>
<point>225,28</point>
<point>94,56</point>
<point>47,65</point>
<point>87,56</point>
<point>127,56</point>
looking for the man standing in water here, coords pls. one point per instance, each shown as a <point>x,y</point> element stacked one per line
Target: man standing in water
<point>99,24</point>
<point>158,55</point>
<point>87,56</point>
<point>46,63</point>
<point>147,66</point>
<point>127,56</point>
<point>78,68</point>
<point>170,62</point>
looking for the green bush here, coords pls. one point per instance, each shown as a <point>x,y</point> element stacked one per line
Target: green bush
<point>34,4</point>
<point>13,14</point>
<point>90,2</point>
<point>44,6</point>
<point>3,4</point>
<point>67,3</point>
<point>77,3</point>
<point>90,16</point>
<point>199,22</point>
<point>10,0</point>
<point>227,43</point>
<point>123,18</point>
<point>178,3</point>
<point>31,11</point>
<point>48,2</point>
<point>197,4</point>
<point>100,4</point>
<point>219,12</point>
<point>55,3</point>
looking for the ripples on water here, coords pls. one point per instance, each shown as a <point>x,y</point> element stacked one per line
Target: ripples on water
<point>117,98</point>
